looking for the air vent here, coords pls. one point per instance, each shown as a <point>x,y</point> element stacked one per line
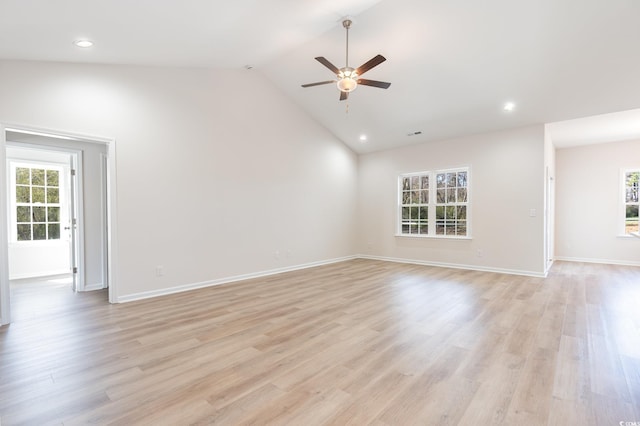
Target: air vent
<point>416,133</point>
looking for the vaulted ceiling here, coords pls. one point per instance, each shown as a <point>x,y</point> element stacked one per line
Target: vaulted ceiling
<point>452,64</point>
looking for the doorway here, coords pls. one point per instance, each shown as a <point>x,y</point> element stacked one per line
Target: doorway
<point>45,210</point>
<point>92,255</point>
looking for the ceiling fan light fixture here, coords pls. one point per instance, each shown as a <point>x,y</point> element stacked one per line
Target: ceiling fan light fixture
<point>347,84</point>
<point>347,80</point>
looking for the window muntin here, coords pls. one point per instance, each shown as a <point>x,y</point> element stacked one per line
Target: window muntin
<point>37,203</point>
<point>434,203</point>
<point>631,185</point>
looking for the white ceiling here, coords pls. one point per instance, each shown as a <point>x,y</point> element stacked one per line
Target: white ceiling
<point>612,127</point>
<point>452,64</point>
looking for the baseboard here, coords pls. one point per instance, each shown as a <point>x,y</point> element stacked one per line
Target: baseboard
<point>227,280</point>
<point>601,261</point>
<point>93,287</point>
<point>38,275</point>
<point>455,266</point>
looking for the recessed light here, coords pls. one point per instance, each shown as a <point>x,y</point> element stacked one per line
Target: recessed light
<point>509,106</point>
<point>363,138</point>
<point>83,43</point>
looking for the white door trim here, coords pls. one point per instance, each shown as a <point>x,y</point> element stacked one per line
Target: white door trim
<point>5,304</point>
<point>111,208</point>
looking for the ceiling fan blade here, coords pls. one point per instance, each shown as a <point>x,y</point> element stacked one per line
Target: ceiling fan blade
<point>376,60</point>
<point>344,95</point>
<point>374,83</point>
<point>328,64</point>
<point>318,83</point>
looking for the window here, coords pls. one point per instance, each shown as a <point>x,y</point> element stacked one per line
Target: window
<point>631,182</point>
<point>435,203</point>
<point>415,204</point>
<point>37,203</point>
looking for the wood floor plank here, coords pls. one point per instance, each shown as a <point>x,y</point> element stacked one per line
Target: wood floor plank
<point>356,342</point>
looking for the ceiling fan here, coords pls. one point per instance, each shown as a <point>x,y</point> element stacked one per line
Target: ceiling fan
<point>348,78</point>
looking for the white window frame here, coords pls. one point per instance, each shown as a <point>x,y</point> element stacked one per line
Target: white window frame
<point>432,204</point>
<point>623,201</point>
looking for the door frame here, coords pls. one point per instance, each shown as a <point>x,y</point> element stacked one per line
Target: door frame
<point>111,209</point>
<point>76,204</point>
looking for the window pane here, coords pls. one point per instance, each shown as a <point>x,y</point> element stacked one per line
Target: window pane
<point>53,214</point>
<point>52,178</point>
<point>414,212</point>
<point>462,179</point>
<point>631,219</point>
<point>37,177</point>
<point>462,195</point>
<point>406,197</point>
<point>39,214</point>
<point>462,212</point>
<point>424,196</point>
<point>451,195</point>
<point>462,228</point>
<point>23,195</point>
<point>450,228</point>
<point>415,182</point>
<point>53,196</point>
<point>440,178</point>
<point>406,184</point>
<point>54,231</point>
<point>415,197</point>
<point>405,228</point>
<point>40,232</point>
<point>451,180</point>
<point>38,195</point>
<point>440,196</point>
<point>423,228</point>
<point>425,182</point>
<point>22,176</point>
<point>23,214</point>
<point>424,213</point>
<point>440,227</point>
<point>450,212</point>
<point>24,232</point>
<point>405,213</point>
<point>439,212</point>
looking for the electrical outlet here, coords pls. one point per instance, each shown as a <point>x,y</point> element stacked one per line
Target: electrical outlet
<point>159,271</point>
<point>479,253</point>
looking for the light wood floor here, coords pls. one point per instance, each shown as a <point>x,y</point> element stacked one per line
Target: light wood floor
<point>360,342</point>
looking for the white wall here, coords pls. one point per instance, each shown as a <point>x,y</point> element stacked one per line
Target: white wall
<point>507,172</point>
<point>218,174</point>
<point>588,200</point>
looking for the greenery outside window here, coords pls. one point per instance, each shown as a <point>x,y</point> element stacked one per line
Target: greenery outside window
<point>631,188</point>
<point>434,203</point>
<point>37,203</point>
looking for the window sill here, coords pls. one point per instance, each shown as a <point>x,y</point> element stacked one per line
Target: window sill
<point>433,237</point>
<point>630,235</point>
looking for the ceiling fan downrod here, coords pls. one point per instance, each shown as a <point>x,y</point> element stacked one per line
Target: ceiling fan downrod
<point>347,24</point>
